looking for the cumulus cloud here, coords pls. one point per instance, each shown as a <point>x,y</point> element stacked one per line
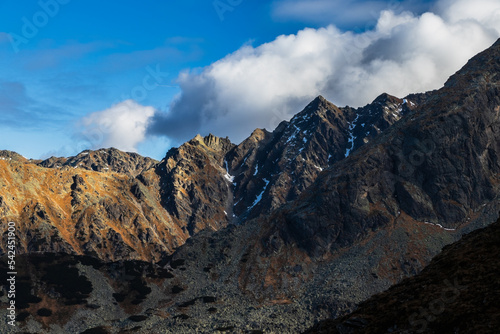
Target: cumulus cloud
<point>260,86</point>
<point>122,126</point>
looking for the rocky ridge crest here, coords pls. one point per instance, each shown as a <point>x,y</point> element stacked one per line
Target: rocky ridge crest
<point>103,160</point>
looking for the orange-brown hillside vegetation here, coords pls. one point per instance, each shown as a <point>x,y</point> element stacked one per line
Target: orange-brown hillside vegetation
<point>73,210</point>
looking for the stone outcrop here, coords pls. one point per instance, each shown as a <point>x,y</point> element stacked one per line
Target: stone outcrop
<point>194,185</point>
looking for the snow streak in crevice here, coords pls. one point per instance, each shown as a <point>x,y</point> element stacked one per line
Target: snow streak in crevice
<point>351,136</point>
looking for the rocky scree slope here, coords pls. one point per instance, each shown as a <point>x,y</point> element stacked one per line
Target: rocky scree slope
<point>457,292</point>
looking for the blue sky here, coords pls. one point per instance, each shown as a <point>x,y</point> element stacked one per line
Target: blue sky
<point>182,68</point>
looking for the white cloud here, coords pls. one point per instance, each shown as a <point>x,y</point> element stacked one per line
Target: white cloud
<point>486,12</point>
<point>122,126</point>
<point>260,86</point>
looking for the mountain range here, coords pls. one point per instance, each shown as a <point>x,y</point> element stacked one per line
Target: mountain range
<point>206,183</point>
<point>287,228</point>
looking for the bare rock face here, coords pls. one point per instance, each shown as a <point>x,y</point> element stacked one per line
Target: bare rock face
<point>195,186</point>
<point>210,182</point>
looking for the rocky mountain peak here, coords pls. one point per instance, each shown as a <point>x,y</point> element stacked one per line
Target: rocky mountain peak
<point>318,105</point>
<point>385,98</point>
<point>10,155</point>
<point>258,135</point>
<point>272,168</point>
<point>195,186</point>
<point>482,69</point>
<point>320,101</point>
<point>214,142</point>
